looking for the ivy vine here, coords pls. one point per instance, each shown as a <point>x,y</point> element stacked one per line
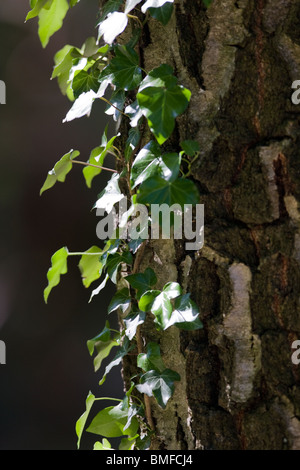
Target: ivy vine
<point>149,100</point>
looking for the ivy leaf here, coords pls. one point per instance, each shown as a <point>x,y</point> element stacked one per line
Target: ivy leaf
<point>114,25</point>
<point>85,81</point>
<point>103,350</point>
<point>131,143</point>
<point>151,360</point>
<point>162,14</point>
<point>90,266</point>
<point>37,7</point>
<point>158,384</point>
<point>146,301</point>
<point>132,321</point>
<point>111,421</point>
<point>121,300</point>
<point>105,445</point>
<point>123,351</point>
<point>63,61</point>
<point>60,170</point>
<point>156,190</point>
<point>190,147</point>
<point>185,314</point>
<point>58,267</point>
<point>114,261</point>
<point>104,336</point>
<point>51,20</point>
<point>142,282</point>
<point>207,2</point>
<point>162,100</point>
<point>124,70</point>
<point>80,423</point>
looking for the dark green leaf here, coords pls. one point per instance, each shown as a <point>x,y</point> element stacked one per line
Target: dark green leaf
<point>124,70</point>
<point>162,14</point>
<point>190,147</point>
<point>120,300</point>
<point>156,190</point>
<point>162,100</point>
<point>85,81</point>
<point>142,282</point>
<point>109,7</point>
<point>123,351</point>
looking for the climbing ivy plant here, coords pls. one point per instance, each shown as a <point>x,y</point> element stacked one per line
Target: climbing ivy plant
<point>150,101</point>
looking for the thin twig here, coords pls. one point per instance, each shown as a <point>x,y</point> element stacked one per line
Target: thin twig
<point>94,166</point>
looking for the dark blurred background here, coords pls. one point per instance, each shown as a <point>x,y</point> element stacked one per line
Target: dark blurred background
<point>48,370</point>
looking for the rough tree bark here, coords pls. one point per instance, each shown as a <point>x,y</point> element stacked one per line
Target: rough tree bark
<point>239,388</point>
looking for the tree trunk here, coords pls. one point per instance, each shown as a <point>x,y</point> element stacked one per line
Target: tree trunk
<point>239,388</point>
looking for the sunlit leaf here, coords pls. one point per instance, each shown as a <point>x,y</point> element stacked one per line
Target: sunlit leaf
<point>60,170</point>
<point>58,267</point>
<point>83,418</point>
<point>90,266</point>
<point>158,384</point>
<point>51,20</point>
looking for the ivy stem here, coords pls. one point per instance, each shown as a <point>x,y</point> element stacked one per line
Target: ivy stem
<point>136,18</point>
<point>110,104</point>
<point>108,398</point>
<point>139,340</point>
<point>94,166</point>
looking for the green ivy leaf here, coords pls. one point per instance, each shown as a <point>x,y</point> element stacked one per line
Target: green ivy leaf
<point>111,421</point>
<point>37,6</point>
<point>142,282</point>
<point>58,267</point>
<point>103,350</point>
<point>131,143</point>
<point>99,288</point>
<point>60,170</point>
<point>114,262</point>
<point>124,70</point>
<point>146,301</point>
<point>190,147</point>
<point>104,336</point>
<point>162,100</point>
<point>90,266</point>
<point>105,445</point>
<point>123,351</point>
<point>157,190</point>
<point>51,20</point>
<point>162,14</point>
<point>83,418</point>
<point>151,360</point>
<point>63,61</point>
<point>121,300</point>
<point>132,321</point>
<point>117,101</point>
<point>159,385</point>
<point>85,81</point>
